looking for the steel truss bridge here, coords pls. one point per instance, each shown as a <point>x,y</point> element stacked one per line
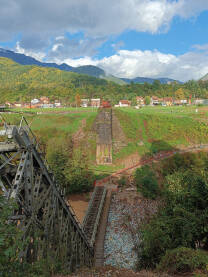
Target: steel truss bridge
<point>48,223</point>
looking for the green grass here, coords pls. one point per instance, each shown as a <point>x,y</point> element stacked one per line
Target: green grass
<point>104,170</point>
<point>148,130</point>
<point>53,110</point>
<point>49,125</point>
<point>153,129</point>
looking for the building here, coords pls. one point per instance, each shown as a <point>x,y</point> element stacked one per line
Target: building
<point>124,103</point>
<point>85,103</point>
<point>155,100</point>
<point>177,102</point>
<point>95,102</point>
<point>47,106</point>
<point>167,101</point>
<point>35,101</point>
<point>180,102</point>
<point>44,100</point>
<point>17,105</point>
<point>200,101</point>
<point>140,101</point>
<point>106,104</point>
<point>8,104</point>
<point>57,104</point>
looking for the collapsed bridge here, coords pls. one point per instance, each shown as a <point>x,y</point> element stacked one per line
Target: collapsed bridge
<point>43,214</point>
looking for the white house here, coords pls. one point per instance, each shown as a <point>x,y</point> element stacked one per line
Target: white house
<point>35,101</point>
<point>85,103</point>
<point>124,103</point>
<point>95,102</point>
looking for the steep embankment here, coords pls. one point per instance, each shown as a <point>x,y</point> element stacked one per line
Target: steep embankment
<point>152,130</point>
<point>57,128</point>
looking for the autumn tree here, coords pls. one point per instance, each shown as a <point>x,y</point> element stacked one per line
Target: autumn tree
<point>78,100</point>
<point>179,94</point>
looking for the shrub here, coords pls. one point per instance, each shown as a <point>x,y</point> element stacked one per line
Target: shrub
<point>181,221</point>
<point>146,182</point>
<point>182,260</point>
<point>69,165</point>
<point>122,181</point>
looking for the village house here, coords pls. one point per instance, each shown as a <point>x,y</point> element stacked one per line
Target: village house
<point>167,101</point>
<point>47,106</point>
<point>8,104</point>
<point>17,105</point>
<point>95,103</point>
<point>180,102</point>
<point>177,102</point>
<point>57,104</point>
<point>44,100</point>
<point>85,103</point>
<point>35,101</point>
<point>184,101</point>
<point>140,101</point>
<point>155,101</point>
<point>200,101</point>
<point>27,105</point>
<point>124,103</point>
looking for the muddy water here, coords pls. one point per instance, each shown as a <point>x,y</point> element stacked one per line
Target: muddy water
<point>79,204</point>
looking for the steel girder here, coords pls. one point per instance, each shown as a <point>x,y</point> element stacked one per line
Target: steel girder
<point>50,227</point>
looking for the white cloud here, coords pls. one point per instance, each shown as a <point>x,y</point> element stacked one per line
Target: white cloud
<point>36,55</point>
<point>131,64</point>
<point>56,46</point>
<point>43,23</point>
<point>203,47</point>
<point>65,48</point>
<point>40,20</point>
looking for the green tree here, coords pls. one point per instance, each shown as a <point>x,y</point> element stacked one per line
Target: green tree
<point>181,222</point>
<point>146,182</point>
<point>134,102</point>
<point>147,100</point>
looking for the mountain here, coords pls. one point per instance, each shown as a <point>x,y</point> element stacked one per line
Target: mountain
<point>204,78</point>
<point>90,70</point>
<point>23,82</point>
<point>141,80</point>
<point>114,79</point>
<point>27,60</point>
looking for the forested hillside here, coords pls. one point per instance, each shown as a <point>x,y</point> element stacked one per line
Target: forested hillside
<point>21,83</point>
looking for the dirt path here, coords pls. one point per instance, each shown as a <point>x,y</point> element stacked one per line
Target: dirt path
<point>79,135</point>
<point>79,204</point>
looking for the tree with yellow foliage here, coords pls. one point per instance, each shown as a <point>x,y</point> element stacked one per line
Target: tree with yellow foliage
<point>179,94</point>
<point>78,100</point>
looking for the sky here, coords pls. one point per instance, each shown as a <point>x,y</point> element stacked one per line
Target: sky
<point>126,38</point>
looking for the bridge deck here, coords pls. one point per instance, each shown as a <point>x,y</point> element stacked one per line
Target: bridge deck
<point>93,214</point>
<point>8,147</point>
<point>99,243</point>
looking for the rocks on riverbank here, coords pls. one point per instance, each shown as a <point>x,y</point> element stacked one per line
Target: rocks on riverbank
<point>127,211</point>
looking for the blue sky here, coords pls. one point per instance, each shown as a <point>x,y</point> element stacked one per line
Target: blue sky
<point>127,38</point>
<point>180,38</point>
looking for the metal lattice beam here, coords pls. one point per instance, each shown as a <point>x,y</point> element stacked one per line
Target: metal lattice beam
<point>45,218</point>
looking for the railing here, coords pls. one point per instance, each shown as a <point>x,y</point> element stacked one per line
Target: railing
<point>93,214</point>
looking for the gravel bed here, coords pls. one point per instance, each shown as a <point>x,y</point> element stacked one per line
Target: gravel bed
<point>121,235</point>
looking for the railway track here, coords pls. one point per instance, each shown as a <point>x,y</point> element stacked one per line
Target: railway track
<point>93,214</point>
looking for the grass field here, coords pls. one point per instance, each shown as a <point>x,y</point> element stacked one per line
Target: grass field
<point>53,110</point>
<point>148,130</point>
<point>46,126</point>
<point>154,129</point>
